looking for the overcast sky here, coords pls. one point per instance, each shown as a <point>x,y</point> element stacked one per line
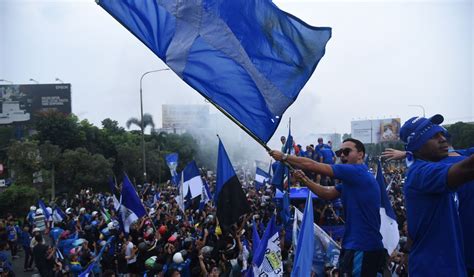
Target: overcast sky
<point>382,57</point>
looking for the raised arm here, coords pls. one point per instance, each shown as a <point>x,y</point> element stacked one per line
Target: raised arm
<point>461,172</point>
<point>327,193</point>
<point>393,154</point>
<point>303,163</point>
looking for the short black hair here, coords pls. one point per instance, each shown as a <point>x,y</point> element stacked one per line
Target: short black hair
<point>359,145</point>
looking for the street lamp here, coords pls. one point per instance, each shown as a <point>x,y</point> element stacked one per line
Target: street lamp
<point>419,106</point>
<point>59,80</point>
<point>6,81</point>
<point>141,118</point>
<point>33,80</point>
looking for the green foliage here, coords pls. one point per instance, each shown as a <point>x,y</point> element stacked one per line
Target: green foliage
<point>60,129</point>
<point>24,160</point>
<point>17,199</point>
<point>462,135</point>
<point>79,168</point>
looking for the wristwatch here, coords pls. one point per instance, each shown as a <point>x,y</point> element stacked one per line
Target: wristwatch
<point>284,157</point>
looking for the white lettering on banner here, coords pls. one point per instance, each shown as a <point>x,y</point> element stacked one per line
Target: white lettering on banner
<point>53,101</point>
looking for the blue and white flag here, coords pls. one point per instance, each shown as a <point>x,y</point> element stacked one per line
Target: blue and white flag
<point>303,262</point>
<point>180,197</point>
<point>252,63</point>
<point>47,215</point>
<point>172,162</point>
<point>261,178</point>
<point>267,260</point>
<point>156,198</point>
<point>192,180</point>
<point>131,208</point>
<point>326,250</point>
<point>58,215</point>
<point>205,196</point>
<point>388,219</point>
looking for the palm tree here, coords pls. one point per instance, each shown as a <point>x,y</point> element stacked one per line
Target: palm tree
<point>147,121</point>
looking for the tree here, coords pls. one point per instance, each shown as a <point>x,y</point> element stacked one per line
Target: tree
<point>16,199</point>
<point>60,129</point>
<point>79,168</point>
<point>346,136</point>
<point>24,160</point>
<point>147,121</point>
<point>462,135</point>
<point>50,156</point>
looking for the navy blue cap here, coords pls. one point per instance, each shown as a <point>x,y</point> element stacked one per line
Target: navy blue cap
<point>416,131</point>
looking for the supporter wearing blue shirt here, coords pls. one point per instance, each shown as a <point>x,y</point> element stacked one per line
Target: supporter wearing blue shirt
<point>363,253</point>
<point>433,221</point>
<point>465,196</point>
<point>327,156</point>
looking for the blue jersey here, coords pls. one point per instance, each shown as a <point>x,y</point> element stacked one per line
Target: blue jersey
<point>466,210</point>
<point>361,198</point>
<point>327,154</point>
<point>433,222</point>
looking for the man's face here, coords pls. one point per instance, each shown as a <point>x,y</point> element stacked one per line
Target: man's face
<point>283,140</point>
<point>435,149</point>
<point>349,153</point>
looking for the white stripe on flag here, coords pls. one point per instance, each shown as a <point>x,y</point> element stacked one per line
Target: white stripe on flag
<point>195,185</point>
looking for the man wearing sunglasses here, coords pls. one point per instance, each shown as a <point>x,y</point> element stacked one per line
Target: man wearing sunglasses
<point>430,186</point>
<point>362,252</point>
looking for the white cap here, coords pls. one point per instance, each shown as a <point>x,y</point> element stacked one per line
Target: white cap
<point>32,208</point>
<point>178,258</point>
<point>69,211</point>
<point>36,229</point>
<point>94,213</point>
<point>39,211</point>
<point>82,210</point>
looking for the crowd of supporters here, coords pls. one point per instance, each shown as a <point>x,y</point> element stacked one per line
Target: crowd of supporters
<point>169,242</point>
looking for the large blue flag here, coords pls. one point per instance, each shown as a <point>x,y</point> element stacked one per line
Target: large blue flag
<point>131,207</point>
<point>305,248</point>
<point>172,162</point>
<point>252,63</point>
<point>388,219</point>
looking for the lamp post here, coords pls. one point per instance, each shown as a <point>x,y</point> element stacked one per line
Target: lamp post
<point>33,80</point>
<point>141,118</point>
<point>419,106</point>
<point>6,81</point>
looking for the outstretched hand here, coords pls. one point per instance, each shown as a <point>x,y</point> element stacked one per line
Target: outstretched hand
<point>277,155</point>
<point>393,154</point>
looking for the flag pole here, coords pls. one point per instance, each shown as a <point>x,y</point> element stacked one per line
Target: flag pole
<point>261,142</point>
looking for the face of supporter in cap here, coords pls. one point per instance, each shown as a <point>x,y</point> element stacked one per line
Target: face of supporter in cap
<point>425,137</point>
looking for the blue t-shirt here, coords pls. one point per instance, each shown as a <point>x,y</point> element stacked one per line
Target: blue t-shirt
<point>327,154</point>
<point>466,211</point>
<point>360,196</point>
<point>433,222</point>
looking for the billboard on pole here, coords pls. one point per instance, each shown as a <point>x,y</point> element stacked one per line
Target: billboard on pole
<point>377,130</point>
<point>22,103</point>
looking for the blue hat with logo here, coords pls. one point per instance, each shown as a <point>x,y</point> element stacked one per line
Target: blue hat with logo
<point>416,131</point>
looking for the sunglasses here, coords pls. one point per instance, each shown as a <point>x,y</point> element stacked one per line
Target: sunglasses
<point>344,151</point>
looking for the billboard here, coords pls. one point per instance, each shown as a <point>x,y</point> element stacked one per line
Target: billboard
<point>377,130</point>
<point>22,103</point>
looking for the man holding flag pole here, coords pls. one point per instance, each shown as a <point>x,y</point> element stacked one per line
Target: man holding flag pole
<point>362,247</point>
